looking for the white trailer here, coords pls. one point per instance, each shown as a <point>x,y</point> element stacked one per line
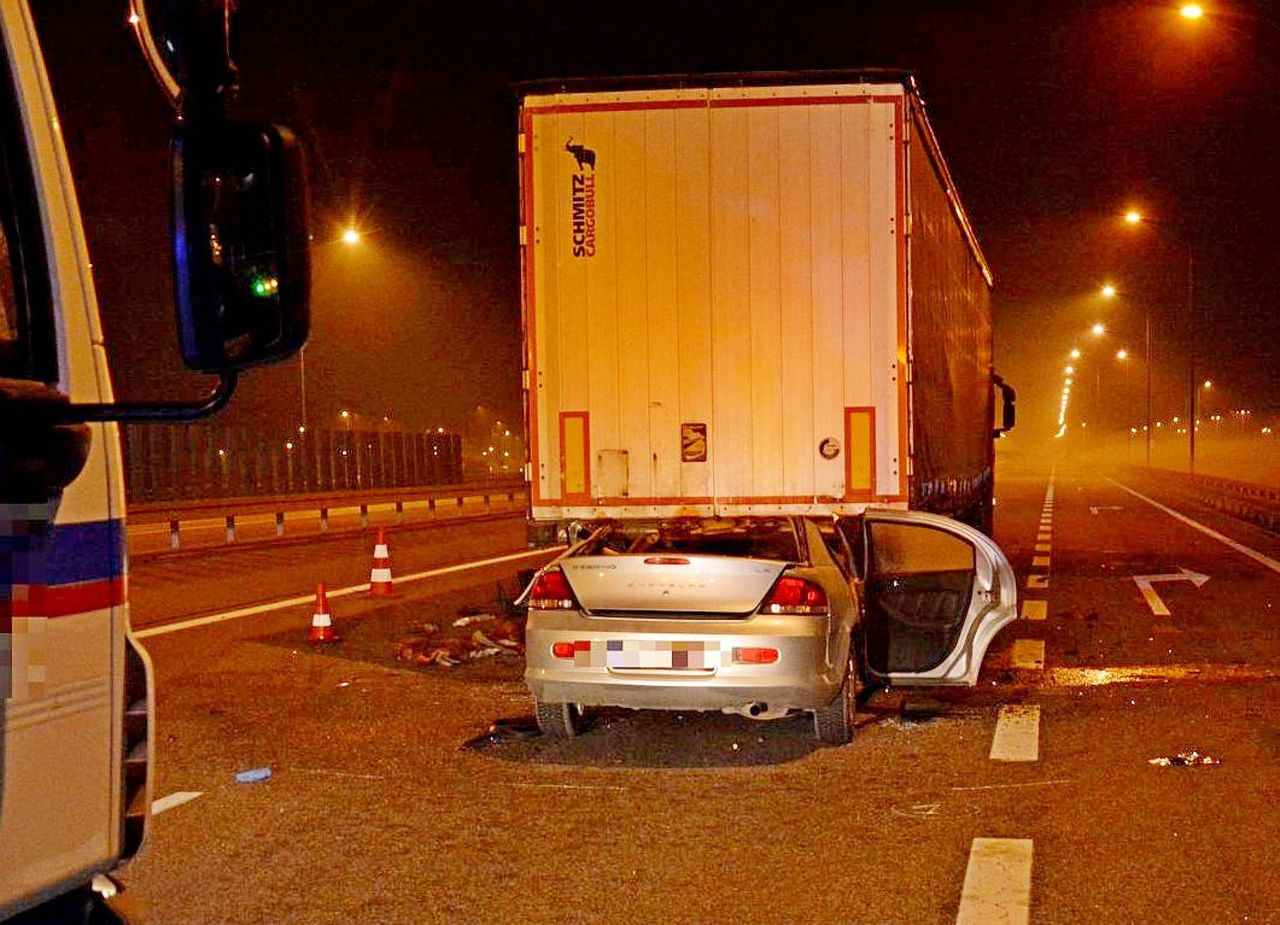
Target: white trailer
<point>749,294</point>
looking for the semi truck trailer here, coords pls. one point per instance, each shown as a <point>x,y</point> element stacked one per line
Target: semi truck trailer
<point>750,294</point>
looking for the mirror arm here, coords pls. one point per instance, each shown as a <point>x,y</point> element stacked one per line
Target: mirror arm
<point>152,411</point>
<point>1009,414</point>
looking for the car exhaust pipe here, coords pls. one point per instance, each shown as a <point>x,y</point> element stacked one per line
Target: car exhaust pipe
<point>757,709</point>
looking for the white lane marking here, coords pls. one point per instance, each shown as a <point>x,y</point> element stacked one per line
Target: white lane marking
<point>337,592</point>
<point>1056,782</point>
<point>1146,584</point>
<point>997,883</point>
<point>1042,547</point>
<point>1040,562</point>
<point>1039,582</point>
<point>1035,610</point>
<point>174,799</point>
<point>1028,653</point>
<point>1207,531</point>
<point>1017,736</point>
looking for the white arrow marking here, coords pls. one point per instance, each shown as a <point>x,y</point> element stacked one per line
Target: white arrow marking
<point>1145,582</point>
<point>1104,507</point>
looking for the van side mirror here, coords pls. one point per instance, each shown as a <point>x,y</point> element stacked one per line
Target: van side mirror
<point>241,256</point>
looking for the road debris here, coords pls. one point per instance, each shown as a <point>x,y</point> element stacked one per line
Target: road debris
<point>506,730</point>
<point>253,776</point>
<point>430,646</point>
<point>475,618</point>
<point>1191,759</point>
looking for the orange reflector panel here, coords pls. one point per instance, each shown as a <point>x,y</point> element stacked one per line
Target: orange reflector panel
<point>755,656</point>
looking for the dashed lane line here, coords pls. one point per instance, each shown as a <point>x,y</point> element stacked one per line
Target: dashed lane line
<point>1035,610</point>
<point>997,883</point>
<point>1253,554</point>
<point>1040,562</point>
<point>337,592</point>
<point>1017,735</point>
<point>1028,653</point>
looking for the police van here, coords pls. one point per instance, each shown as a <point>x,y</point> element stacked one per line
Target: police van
<point>76,701</point>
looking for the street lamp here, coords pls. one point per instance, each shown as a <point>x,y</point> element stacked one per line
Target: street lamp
<point>1108,291</point>
<point>1098,329</point>
<point>1075,353</point>
<point>1191,11</point>
<point>350,236</point>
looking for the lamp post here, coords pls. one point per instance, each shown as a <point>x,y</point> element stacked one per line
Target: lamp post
<point>1109,292</point>
<point>1133,217</point>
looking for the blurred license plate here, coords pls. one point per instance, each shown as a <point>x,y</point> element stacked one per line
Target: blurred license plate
<point>656,653</point>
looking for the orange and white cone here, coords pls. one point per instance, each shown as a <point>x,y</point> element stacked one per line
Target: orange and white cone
<point>380,574</point>
<point>321,620</point>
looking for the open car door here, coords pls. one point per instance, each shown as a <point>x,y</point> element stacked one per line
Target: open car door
<point>935,593</point>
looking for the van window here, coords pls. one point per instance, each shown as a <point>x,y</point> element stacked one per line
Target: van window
<point>27,347</point>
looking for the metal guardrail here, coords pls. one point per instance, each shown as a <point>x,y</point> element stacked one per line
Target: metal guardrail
<point>174,513</point>
<point>1256,504</point>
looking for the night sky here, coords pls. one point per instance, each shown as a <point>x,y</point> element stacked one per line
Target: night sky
<point>1054,118</point>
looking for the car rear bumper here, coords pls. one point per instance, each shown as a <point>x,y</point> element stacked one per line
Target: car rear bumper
<point>801,678</point>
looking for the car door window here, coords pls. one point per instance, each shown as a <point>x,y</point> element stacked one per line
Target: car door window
<point>917,591</point>
<point>27,350</point>
<point>834,540</point>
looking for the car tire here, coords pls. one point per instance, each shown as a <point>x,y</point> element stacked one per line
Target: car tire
<point>834,723</point>
<point>556,720</point>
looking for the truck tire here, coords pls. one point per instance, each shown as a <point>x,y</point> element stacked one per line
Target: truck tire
<point>834,723</point>
<point>556,720</point>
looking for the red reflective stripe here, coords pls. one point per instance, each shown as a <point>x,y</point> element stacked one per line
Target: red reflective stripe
<point>65,600</point>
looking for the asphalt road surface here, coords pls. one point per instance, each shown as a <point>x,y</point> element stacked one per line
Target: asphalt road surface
<point>1031,798</point>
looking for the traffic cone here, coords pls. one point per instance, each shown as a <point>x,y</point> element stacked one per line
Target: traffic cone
<point>321,620</point>
<point>380,574</point>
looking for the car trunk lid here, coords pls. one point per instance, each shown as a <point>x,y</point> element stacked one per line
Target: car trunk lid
<point>671,586</point>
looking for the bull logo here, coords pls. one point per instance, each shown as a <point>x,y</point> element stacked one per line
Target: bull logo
<point>582,154</point>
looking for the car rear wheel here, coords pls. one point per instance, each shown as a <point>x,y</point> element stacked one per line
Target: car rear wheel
<point>557,720</point>
<point>834,723</point>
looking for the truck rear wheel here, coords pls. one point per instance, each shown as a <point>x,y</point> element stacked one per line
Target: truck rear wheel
<point>557,720</point>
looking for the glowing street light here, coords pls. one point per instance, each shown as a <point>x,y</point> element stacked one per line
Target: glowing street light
<point>1075,353</point>
<point>1133,216</point>
<point>1191,11</point>
<point>1070,370</point>
<point>1208,383</point>
<point>1098,329</point>
<point>350,236</point>
<point>1122,354</point>
<point>1108,291</point>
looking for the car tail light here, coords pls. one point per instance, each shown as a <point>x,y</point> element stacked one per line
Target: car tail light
<point>796,595</point>
<point>551,591</point>
<point>751,655</point>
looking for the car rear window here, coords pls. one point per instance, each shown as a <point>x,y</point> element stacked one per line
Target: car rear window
<point>748,538</point>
